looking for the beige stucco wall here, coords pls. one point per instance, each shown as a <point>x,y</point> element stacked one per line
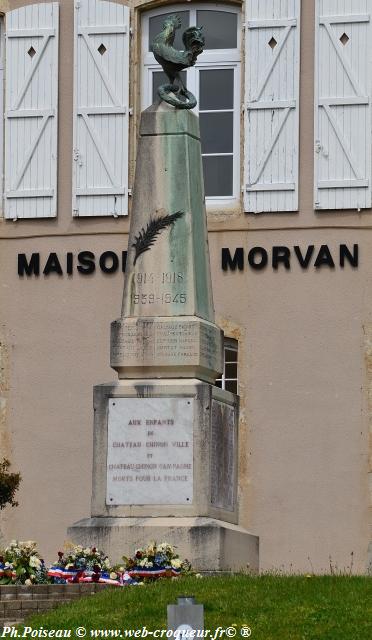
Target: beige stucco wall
<point>304,352</point>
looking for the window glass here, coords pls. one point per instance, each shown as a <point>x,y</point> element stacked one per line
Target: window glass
<point>216,89</point>
<point>216,132</point>
<point>231,355</point>
<point>231,385</point>
<point>231,370</point>
<point>218,175</point>
<point>156,25</point>
<point>219,27</point>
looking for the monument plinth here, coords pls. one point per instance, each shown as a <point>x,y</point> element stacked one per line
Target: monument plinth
<point>165,461</point>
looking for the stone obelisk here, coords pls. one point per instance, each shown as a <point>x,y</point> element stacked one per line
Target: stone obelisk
<point>165,438</point>
<point>167,326</point>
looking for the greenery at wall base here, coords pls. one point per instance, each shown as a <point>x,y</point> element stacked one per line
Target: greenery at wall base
<point>272,606</point>
<point>9,484</point>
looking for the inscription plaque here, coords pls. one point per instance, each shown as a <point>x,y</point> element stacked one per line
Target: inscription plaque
<point>165,342</point>
<point>150,451</point>
<point>223,456</point>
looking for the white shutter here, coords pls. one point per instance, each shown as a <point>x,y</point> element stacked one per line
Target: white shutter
<point>272,62</point>
<point>101,88</point>
<point>31,98</point>
<point>343,104</point>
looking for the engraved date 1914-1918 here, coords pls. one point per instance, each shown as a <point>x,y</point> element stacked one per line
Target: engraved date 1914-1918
<point>164,298</point>
<point>168,277</point>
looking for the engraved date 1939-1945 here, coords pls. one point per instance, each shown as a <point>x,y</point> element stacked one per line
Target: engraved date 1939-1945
<point>164,298</point>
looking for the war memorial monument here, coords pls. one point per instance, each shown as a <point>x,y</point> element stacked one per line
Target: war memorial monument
<point>165,462</point>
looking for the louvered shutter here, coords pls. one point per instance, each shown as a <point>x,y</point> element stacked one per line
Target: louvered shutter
<point>272,65</point>
<point>31,98</point>
<point>101,88</point>
<point>343,104</point>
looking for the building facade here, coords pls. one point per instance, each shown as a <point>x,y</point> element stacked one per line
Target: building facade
<point>284,93</point>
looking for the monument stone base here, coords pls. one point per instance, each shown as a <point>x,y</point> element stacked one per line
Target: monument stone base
<point>165,468</point>
<point>209,544</point>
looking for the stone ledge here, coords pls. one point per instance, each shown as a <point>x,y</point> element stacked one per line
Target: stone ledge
<point>17,602</point>
<point>58,592</point>
<point>10,623</point>
<point>208,543</point>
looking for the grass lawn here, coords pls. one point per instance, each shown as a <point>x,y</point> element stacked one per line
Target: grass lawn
<point>274,607</point>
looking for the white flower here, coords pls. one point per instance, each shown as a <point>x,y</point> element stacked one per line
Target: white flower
<point>176,563</point>
<point>121,569</point>
<point>28,582</point>
<point>113,575</point>
<point>87,551</point>
<point>35,562</point>
<point>148,564</point>
<point>28,544</point>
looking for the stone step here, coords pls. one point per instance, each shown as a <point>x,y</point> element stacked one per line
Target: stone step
<point>18,602</point>
<point>50,592</point>
<point>23,608</point>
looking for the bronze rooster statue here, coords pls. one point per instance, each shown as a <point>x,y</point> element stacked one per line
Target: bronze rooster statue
<point>174,61</point>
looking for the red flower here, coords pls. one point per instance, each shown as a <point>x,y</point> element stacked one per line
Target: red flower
<point>139,555</point>
<point>77,577</point>
<point>94,549</point>
<point>96,573</point>
<point>60,554</point>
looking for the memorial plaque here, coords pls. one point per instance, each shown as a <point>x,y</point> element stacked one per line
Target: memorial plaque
<point>223,456</point>
<point>150,451</point>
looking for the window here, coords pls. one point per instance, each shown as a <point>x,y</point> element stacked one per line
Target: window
<point>31,111</point>
<point>229,378</point>
<point>215,82</point>
<point>2,56</point>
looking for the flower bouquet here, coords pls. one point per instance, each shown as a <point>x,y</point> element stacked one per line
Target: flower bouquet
<point>79,564</point>
<point>156,561</point>
<point>20,563</point>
